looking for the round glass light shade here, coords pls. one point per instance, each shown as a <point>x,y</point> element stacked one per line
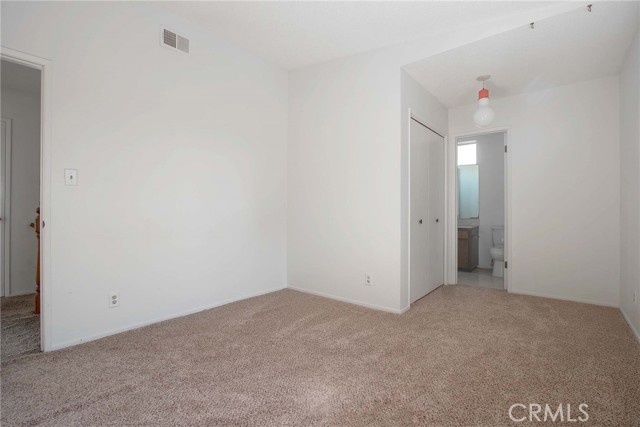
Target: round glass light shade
<point>484,115</point>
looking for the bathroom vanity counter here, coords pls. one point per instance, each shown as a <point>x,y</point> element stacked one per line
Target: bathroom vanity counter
<point>468,248</point>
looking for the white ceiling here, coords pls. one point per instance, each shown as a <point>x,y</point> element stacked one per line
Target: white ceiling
<point>298,33</point>
<point>20,78</point>
<point>569,48</point>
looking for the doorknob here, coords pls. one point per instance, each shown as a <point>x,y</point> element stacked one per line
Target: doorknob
<point>420,222</point>
<point>437,219</point>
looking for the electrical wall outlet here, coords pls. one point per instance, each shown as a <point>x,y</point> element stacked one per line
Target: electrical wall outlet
<point>114,299</point>
<point>368,280</point>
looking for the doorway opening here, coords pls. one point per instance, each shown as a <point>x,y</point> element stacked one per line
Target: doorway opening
<point>426,209</point>
<point>481,209</point>
<point>20,201</point>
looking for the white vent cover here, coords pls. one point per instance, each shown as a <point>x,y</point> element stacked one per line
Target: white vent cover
<point>172,40</point>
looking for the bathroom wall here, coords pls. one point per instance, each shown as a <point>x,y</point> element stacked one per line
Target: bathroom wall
<point>490,155</point>
<point>565,180</point>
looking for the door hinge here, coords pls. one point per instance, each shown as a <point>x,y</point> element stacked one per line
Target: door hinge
<point>506,264</point>
<point>505,148</point>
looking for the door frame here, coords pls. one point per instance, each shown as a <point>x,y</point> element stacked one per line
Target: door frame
<point>5,196</point>
<point>413,116</point>
<point>47,285</point>
<point>452,205</point>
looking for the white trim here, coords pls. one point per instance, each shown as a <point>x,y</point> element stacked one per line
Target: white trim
<point>451,213</point>
<point>583,301</point>
<point>350,301</point>
<point>48,286</point>
<point>633,328</point>
<point>408,219</point>
<point>6,210</point>
<point>507,213</point>
<point>413,115</point>
<point>77,341</point>
<point>445,220</point>
<point>452,205</point>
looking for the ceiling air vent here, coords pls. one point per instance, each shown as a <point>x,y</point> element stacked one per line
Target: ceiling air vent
<point>174,41</point>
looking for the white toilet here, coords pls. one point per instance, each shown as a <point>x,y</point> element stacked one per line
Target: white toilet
<point>497,251</point>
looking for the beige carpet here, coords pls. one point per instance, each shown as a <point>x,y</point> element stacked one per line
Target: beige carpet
<point>20,327</point>
<point>460,357</point>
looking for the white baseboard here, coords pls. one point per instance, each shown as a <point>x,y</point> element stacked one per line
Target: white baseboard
<point>76,341</point>
<point>350,301</point>
<point>633,328</point>
<point>583,301</point>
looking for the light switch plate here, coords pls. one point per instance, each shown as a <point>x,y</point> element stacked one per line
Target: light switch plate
<point>71,177</point>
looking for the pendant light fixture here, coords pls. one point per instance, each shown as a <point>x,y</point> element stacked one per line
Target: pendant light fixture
<point>484,115</point>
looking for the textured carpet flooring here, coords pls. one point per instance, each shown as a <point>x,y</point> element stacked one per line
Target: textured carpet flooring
<point>460,357</point>
<point>20,328</point>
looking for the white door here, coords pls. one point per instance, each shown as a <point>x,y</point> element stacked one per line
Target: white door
<point>426,211</point>
<point>419,211</point>
<point>436,210</point>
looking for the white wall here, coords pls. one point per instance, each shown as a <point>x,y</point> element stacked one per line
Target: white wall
<point>565,198</point>
<point>181,196</point>
<point>346,168</point>
<point>344,181</point>
<point>630,185</point>
<point>23,108</point>
<point>347,191</point>
<point>208,183</point>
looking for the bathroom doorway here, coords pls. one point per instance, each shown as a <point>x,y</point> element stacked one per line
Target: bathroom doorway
<point>481,209</point>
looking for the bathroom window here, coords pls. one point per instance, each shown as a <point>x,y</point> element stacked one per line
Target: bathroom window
<point>468,181</point>
<point>467,154</point>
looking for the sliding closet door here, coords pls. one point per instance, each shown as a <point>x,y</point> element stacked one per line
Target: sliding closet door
<point>426,211</point>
